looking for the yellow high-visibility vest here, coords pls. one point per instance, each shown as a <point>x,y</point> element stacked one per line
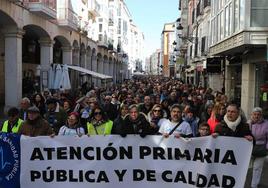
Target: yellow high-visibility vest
<point>103,129</point>
<point>15,128</point>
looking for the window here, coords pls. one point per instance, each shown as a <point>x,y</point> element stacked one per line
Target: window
<point>193,17</point>
<point>227,20</point>
<point>100,27</point>
<point>259,13</point>
<point>218,27</point>
<point>119,26</point>
<point>236,15</point>
<point>203,45</point>
<point>231,18</point>
<point>222,25</point>
<point>242,14</point>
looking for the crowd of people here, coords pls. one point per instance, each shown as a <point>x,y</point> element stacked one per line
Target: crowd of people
<point>151,106</point>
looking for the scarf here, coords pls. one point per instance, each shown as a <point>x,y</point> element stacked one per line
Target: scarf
<point>96,123</point>
<point>232,124</point>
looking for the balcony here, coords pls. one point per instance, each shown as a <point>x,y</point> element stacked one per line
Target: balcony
<point>102,42</point>
<point>44,8</point>
<point>67,18</point>
<point>94,8</point>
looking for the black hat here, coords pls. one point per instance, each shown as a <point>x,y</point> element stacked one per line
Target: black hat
<point>33,109</point>
<point>51,101</point>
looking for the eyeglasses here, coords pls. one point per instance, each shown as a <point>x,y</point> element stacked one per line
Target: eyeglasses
<point>97,113</point>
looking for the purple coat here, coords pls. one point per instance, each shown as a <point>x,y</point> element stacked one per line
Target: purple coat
<point>260,132</point>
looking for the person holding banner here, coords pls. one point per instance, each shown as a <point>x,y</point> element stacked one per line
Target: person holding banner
<point>72,127</point>
<point>99,124</point>
<point>203,130</point>
<point>118,122</point>
<point>35,125</point>
<point>13,123</point>
<point>136,123</point>
<point>175,125</point>
<point>232,124</point>
<point>259,129</point>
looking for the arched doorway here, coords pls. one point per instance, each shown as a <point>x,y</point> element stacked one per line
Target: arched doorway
<point>62,50</point>
<point>10,61</point>
<point>36,56</point>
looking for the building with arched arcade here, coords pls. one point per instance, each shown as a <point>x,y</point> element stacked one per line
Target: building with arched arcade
<point>36,34</point>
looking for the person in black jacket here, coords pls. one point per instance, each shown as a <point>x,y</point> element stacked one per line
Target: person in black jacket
<point>232,124</point>
<point>118,122</point>
<point>136,123</point>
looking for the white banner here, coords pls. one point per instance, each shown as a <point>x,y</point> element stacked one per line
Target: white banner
<point>113,161</point>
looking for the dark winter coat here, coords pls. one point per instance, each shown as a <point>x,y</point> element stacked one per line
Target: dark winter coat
<point>241,130</point>
<point>140,126</point>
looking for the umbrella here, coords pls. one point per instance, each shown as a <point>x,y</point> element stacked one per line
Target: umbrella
<point>51,77</point>
<point>58,76</point>
<point>65,79</point>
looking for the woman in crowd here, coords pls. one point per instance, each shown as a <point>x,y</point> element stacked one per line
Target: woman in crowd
<point>205,115</point>
<point>99,124</point>
<point>155,115</point>
<point>259,129</point>
<point>72,126</point>
<point>118,122</point>
<point>217,116</point>
<point>67,107</point>
<point>39,102</point>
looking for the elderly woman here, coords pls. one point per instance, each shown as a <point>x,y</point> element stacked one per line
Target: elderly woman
<point>259,129</point>
<point>72,127</point>
<point>99,124</point>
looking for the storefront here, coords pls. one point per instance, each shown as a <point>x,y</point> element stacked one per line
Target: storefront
<point>261,96</point>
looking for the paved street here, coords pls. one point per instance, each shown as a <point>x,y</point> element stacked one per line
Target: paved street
<point>264,178</point>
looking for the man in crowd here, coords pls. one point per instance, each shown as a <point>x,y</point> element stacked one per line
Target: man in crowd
<point>232,124</point>
<point>55,115</point>
<point>35,125</point>
<point>24,105</point>
<point>13,123</point>
<point>109,108</point>
<point>175,125</point>
<point>146,106</point>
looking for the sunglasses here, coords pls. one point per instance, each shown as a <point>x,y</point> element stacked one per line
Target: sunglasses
<point>97,113</point>
<point>157,110</point>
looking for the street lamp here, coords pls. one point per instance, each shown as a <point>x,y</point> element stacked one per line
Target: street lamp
<point>189,38</point>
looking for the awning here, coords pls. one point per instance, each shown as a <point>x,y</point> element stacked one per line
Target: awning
<point>92,73</point>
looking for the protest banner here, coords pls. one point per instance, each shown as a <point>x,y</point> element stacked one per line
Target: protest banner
<point>9,160</point>
<point>113,161</point>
